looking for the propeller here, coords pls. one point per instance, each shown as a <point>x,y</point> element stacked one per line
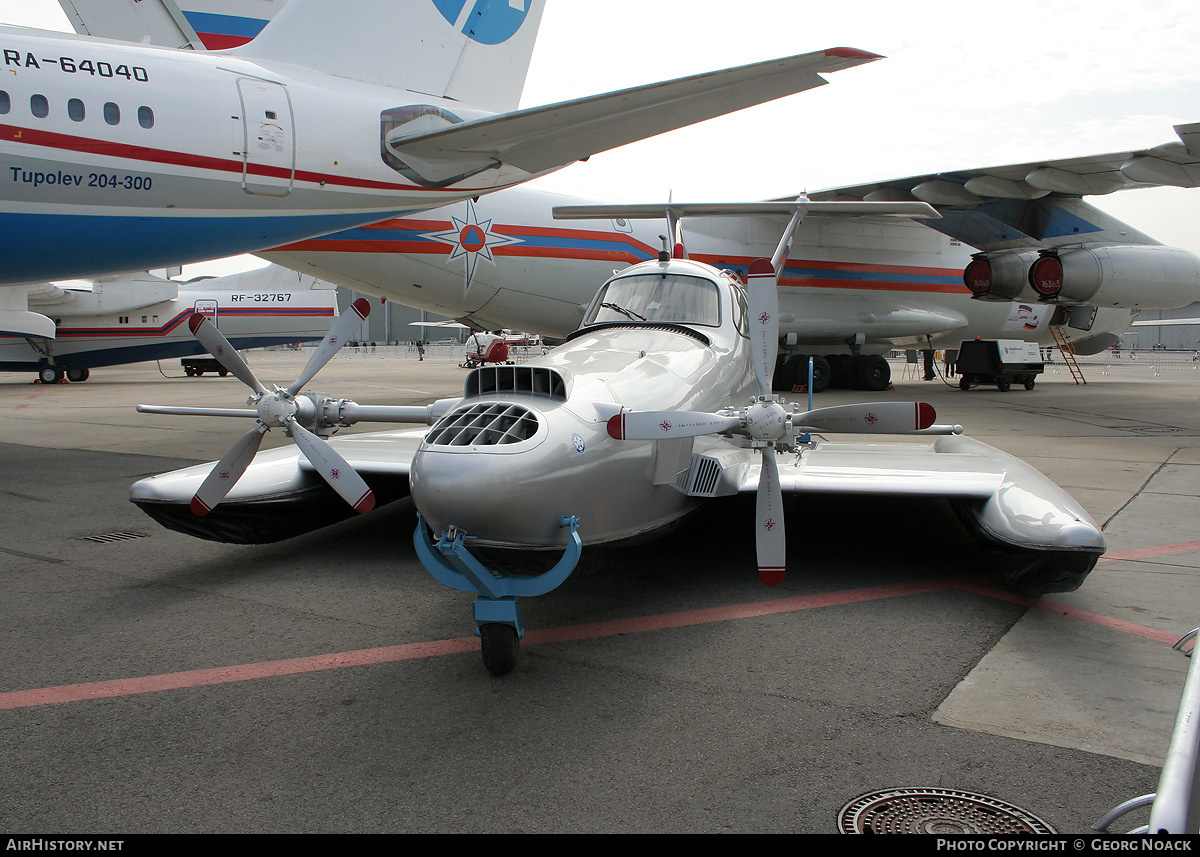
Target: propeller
<point>277,408</point>
<point>768,424</point>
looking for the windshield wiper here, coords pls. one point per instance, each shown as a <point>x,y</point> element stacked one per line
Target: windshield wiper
<point>628,313</point>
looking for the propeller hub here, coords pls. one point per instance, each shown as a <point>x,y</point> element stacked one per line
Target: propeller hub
<point>275,409</point>
<point>766,420</point>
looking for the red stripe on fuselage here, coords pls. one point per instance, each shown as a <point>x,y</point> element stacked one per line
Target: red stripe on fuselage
<point>129,151</point>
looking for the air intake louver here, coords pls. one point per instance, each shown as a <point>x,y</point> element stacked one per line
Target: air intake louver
<point>703,477</point>
<point>534,380</point>
<point>484,424</point>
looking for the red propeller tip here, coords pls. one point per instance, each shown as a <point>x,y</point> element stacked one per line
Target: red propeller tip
<point>198,507</point>
<point>925,415</point>
<point>762,268</point>
<point>366,503</point>
<point>362,306</point>
<point>771,576</point>
<point>616,427</point>
<point>194,321</point>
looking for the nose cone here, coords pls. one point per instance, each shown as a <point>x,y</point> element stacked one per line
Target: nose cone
<point>496,498</point>
<point>484,469</point>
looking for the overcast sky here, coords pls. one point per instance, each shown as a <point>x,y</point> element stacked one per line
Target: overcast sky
<point>965,84</point>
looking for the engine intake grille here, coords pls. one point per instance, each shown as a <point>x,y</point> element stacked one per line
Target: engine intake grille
<point>484,424</point>
<point>533,380</point>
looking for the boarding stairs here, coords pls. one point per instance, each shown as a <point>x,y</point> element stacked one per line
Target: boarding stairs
<point>1067,349</point>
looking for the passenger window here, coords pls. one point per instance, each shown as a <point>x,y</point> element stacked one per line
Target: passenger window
<point>39,106</point>
<point>75,110</point>
<point>112,113</point>
<point>5,104</point>
<point>145,117</point>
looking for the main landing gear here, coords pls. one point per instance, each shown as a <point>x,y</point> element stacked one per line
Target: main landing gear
<point>54,374</point>
<point>497,617</point>
<point>869,372</point>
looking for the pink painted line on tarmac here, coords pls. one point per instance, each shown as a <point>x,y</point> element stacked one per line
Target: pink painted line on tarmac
<point>223,675</point>
<point>1121,625</point>
<point>641,624</point>
<point>294,666</point>
<point>1160,550</point>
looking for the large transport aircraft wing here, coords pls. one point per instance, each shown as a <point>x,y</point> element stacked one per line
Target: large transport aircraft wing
<point>650,211</point>
<point>542,138</point>
<point>1037,204</point>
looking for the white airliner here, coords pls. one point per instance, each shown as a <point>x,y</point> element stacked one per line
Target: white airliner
<point>1037,255</point>
<point>131,318</point>
<point>120,157</point>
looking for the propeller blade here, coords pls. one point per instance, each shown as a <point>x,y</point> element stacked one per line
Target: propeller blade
<point>341,477</point>
<point>660,425</point>
<point>869,418</point>
<point>342,329</point>
<point>770,539</point>
<point>228,471</point>
<point>762,297</point>
<point>218,346</point>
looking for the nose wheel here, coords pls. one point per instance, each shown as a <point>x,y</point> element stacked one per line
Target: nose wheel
<point>499,644</point>
<point>497,617</point>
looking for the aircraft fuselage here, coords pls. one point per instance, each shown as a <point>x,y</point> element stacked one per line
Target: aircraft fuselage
<point>117,157</point>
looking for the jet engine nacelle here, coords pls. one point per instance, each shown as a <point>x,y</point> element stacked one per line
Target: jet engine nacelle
<point>1121,275</point>
<point>1001,276</point>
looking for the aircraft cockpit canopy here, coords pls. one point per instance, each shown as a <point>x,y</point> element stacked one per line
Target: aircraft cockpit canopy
<point>657,298</point>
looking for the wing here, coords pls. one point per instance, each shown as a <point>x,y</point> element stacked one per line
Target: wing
<point>1006,503</point>
<point>1038,204</point>
<point>543,138</point>
<point>280,495</point>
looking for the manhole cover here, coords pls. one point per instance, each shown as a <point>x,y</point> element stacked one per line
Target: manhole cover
<point>935,811</point>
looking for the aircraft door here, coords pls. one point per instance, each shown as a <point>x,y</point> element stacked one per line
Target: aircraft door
<point>269,143</point>
<point>208,309</point>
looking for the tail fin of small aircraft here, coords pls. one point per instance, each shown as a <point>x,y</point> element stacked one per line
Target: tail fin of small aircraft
<point>474,51</point>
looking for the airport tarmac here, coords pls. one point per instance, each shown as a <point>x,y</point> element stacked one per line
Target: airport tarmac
<point>157,683</point>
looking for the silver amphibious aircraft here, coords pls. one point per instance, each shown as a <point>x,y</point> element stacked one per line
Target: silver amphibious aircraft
<point>660,401</point>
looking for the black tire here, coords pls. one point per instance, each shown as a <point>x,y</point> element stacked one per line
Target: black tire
<point>222,372</point>
<point>78,376</point>
<point>1029,382</point>
<point>872,373</point>
<point>841,371</point>
<point>50,374</point>
<point>793,372</point>
<point>822,373</point>
<point>779,379</point>
<point>964,383</point>
<point>499,644</point>
<point>1003,384</point>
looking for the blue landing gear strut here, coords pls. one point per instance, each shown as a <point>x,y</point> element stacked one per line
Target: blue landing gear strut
<point>497,617</point>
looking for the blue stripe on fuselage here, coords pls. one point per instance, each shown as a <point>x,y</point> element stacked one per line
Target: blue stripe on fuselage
<point>36,247</point>
<point>149,351</point>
